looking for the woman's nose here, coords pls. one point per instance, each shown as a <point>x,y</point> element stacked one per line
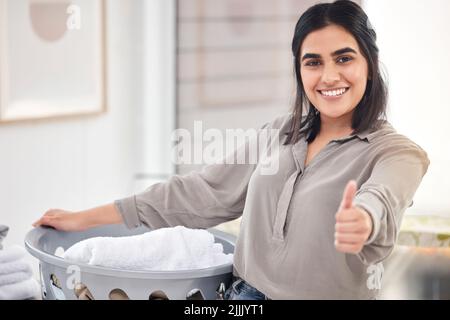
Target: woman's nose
<point>330,75</point>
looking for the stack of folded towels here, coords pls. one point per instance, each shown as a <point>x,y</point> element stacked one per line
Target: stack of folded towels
<point>166,249</point>
<point>16,276</point>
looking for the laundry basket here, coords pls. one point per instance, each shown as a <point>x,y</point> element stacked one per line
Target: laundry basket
<point>61,279</point>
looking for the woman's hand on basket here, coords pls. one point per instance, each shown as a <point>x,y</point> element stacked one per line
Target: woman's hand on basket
<point>61,220</point>
<point>78,221</point>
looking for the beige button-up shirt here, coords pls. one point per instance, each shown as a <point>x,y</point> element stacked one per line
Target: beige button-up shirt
<point>285,248</point>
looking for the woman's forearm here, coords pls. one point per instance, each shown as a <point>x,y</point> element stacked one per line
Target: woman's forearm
<point>106,214</point>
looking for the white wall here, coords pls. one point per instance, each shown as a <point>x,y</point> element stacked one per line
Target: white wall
<point>83,162</point>
<point>157,116</point>
<point>415,49</point>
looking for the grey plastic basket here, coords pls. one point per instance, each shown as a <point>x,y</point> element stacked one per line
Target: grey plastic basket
<point>61,279</point>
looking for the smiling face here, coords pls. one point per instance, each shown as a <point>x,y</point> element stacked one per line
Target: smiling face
<point>334,72</point>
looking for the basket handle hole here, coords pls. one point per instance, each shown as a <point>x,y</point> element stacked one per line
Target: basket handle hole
<point>82,292</point>
<point>118,294</point>
<point>56,287</point>
<point>195,294</point>
<point>158,295</point>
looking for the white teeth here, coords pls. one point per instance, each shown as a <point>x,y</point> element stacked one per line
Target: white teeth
<point>334,93</point>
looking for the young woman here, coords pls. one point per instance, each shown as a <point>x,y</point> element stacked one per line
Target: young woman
<point>320,227</point>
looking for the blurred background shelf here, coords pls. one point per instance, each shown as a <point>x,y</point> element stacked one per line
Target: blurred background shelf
<point>419,266</point>
<point>425,231</point>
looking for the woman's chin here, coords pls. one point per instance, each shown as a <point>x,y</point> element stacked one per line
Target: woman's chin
<point>332,114</point>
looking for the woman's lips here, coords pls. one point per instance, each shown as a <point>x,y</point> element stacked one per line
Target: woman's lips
<point>333,94</point>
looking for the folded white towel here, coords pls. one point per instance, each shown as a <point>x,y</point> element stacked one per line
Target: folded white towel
<point>12,253</point>
<point>15,266</point>
<point>3,232</point>
<point>14,277</point>
<point>166,249</point>
<point>28,289</point>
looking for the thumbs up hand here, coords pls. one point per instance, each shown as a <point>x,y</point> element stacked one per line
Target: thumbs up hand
<point>353,224</point>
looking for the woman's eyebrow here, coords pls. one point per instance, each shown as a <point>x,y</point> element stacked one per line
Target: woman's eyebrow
<point>342,51</point>
<point>336,53</point>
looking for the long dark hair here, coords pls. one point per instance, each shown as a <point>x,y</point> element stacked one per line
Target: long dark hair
<point>372,106</point>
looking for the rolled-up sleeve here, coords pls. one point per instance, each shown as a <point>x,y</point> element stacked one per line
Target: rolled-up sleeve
<point>200,199</point>
<point>387,194</point>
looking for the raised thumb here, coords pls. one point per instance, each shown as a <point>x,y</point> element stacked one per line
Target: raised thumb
<point>349,194</point>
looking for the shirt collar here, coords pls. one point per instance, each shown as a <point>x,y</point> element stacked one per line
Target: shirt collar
<point>367,135</point>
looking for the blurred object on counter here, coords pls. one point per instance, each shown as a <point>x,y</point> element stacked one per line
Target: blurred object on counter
<point>425,231</point>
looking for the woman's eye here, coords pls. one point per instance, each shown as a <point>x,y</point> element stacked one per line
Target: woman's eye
<point>344,59</point>
<point>312,63</point>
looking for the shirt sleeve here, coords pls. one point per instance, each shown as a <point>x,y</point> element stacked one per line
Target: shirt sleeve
<point>386,195</point>
<point>200,199</point>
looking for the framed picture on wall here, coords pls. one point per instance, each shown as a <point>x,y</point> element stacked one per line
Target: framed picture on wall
<point>52,58</point>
